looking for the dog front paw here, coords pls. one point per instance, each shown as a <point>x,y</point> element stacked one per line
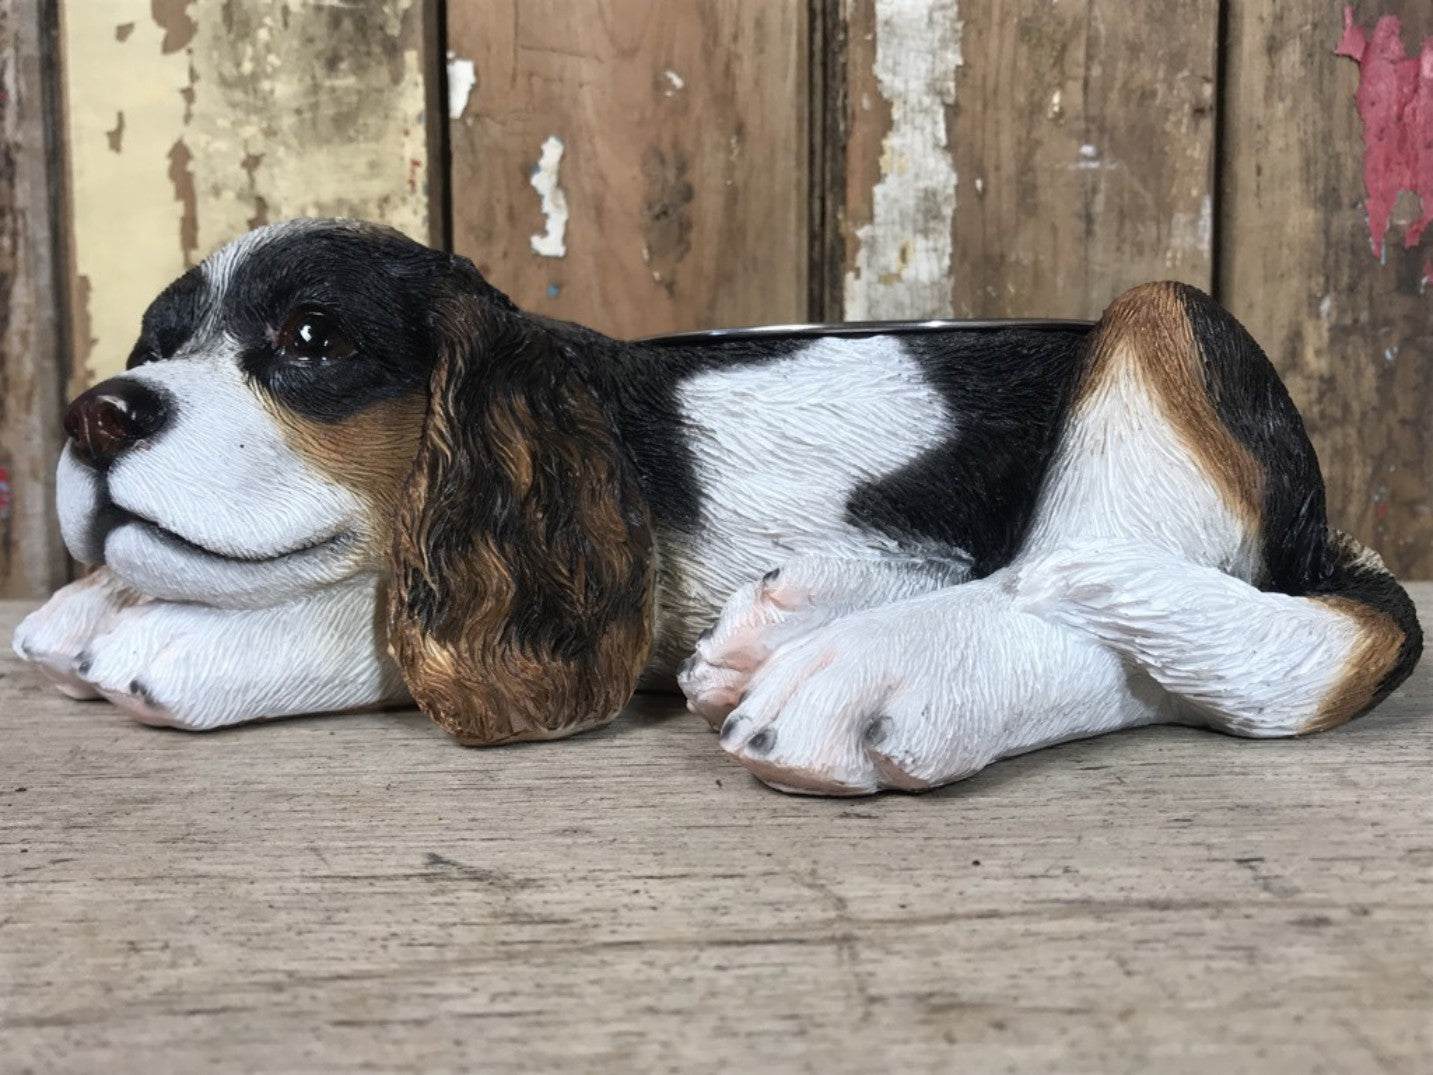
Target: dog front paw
<point>139,663</point>
<point>196,667</point>
<point>97,638</point>
<point>56,636</point>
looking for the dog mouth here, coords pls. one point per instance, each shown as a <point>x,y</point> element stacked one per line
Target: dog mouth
<point>112,517</point>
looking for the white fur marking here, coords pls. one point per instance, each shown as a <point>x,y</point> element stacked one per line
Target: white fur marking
<point>778,450</point>
<point>1121,472</point>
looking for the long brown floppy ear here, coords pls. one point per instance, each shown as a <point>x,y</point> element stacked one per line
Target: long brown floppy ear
<point>522,552</point>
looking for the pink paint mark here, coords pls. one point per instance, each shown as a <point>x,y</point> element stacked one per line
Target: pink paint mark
<point>1395,102</point>
<point>4,493</point>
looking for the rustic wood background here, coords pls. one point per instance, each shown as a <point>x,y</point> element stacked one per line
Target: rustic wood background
<point>648,165</point>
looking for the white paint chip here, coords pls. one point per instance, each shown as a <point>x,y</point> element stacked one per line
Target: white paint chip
<point>462,77</point>
<point>903,264</point>
<point>552,242</point>
<point>674,80</point>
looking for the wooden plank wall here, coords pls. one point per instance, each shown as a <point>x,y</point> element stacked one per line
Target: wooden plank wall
<point>32,558</point>
<point>1077,154</point>
<point>1352,338</point>
<point>651,165</point>
<point>640,168</point>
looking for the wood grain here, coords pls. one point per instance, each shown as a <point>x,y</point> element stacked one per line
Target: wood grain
<point>1350,336</point>
<point>1080,136</point>
<point>683,137</point>
<point>350,893</point>
<point>190,124</point>
<point>32,557</point>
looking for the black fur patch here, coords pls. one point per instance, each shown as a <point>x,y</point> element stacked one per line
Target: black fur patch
<point>1252,403</point>
<point>170,320</point>
<point>375,282</point>
<point>1008,392</point>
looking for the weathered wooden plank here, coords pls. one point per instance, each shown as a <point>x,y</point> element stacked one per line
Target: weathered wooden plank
<point>1350,336</point>
<point>358,893</point>
<point>1018,157</point>
<point>640,168</point>
<point>189,124</point>
<point>32,557</point>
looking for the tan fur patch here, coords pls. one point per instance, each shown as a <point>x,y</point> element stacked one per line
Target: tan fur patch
<point>1146,334</point>
<point>1369,662</point>
<point>370,453</point>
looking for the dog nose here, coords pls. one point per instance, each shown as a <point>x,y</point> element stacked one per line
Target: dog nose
<point>113,416</point>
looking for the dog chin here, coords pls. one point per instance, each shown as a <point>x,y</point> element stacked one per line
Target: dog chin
<point>163,565</point>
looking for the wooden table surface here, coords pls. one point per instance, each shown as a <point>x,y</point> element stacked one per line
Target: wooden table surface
<point>346,893</point>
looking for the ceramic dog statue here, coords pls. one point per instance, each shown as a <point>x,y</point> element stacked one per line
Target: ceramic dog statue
<point>873,561</point>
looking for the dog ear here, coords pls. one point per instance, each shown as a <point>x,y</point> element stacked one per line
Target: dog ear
<point>522,558</point>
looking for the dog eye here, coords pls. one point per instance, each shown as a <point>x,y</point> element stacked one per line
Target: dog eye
<point>312,335</point>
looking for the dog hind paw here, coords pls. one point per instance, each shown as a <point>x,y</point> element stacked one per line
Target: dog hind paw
<point>760,617</point>
<point>803,595</point>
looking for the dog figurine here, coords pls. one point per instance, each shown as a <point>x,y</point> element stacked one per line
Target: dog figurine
<point>342,470</point>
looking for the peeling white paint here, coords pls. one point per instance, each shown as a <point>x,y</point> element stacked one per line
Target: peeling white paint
<point>1325,307</point>
<point>674,80</point>
<point>462,77</point>
<point>1090,161</point>
<point>552,242</point>
<point>903,263</point>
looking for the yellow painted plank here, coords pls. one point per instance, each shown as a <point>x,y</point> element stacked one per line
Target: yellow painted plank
<point>191,123</point>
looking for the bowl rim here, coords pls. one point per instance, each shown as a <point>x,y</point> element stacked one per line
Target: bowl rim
<point>869,328</point>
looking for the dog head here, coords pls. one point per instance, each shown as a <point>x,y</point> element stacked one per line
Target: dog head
<point>321,399</point>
